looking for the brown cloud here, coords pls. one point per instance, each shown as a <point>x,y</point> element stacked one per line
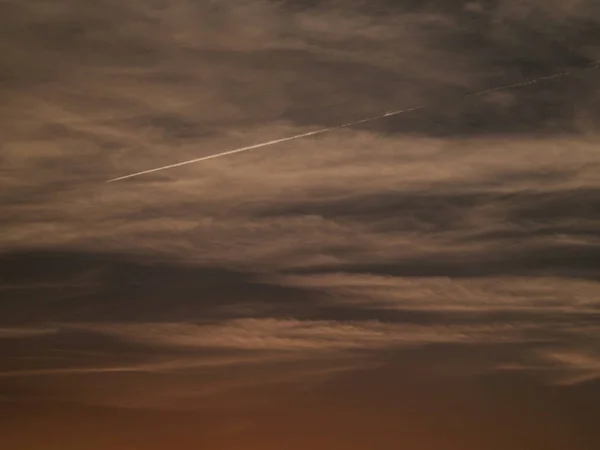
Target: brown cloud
<point>466,232</point>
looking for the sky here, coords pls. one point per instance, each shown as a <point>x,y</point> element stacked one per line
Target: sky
<point>426,281</point>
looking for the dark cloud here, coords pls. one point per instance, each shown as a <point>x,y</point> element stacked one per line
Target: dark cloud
<point>66,286</point>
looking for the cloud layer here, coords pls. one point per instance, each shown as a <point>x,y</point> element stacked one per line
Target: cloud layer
<point>457,241</point>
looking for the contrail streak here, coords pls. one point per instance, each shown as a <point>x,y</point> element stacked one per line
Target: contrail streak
<point>264,144</point>
<point>595,65</point>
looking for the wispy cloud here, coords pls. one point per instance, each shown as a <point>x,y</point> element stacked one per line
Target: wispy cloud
<point>19,333</point>
<point>538,296</point>
<point>574,366</point>
<point>312,336</point>
<point>470,224</point>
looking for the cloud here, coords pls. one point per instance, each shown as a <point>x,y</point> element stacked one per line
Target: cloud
<point>181,365</point>
<point>19,333</point>
<point>157,367</point>
<point>299,335</point>
<point>523,295</point>
<point>563,365</point>
<point>470,224</point>
<point>574,367</point>
<point>428,197</point>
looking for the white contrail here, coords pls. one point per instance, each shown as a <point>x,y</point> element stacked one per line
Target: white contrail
<point>264,144</point>
<point>595,65</point>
